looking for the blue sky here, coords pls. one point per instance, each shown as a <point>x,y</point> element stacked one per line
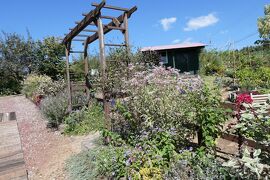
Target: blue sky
<point>159,22</point>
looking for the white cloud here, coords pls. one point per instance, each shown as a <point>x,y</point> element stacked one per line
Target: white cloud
<point>187,40</point>
<point>201,22</point>
<point>167,23</point>
<point>176,41</point>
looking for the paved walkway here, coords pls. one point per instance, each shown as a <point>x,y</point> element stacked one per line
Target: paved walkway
<point>12,164</point>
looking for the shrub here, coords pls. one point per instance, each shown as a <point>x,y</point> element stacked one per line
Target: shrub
<point>142,162</point>
<point>248,167</point>
<point>85,120</point>
<point>208,114</point>
<point>192,166</point>
<point>41,85</point>
<point>54,108</point>
<point>157,101</point>
<point>32,82</point>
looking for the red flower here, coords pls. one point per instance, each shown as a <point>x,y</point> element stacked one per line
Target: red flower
<point>243,98</point>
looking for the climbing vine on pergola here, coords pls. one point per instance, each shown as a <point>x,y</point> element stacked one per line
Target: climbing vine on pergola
<point>94,19</point>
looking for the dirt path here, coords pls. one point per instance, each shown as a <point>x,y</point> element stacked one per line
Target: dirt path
<point>44,151</point>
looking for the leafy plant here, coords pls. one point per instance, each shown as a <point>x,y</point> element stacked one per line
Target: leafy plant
<point>54,108</point>
<point>208,116</point>
<point>41,85</point>
<point>85,120</point>
<point>248,167</point>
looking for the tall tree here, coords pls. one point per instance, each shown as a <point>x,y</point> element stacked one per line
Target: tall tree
<point>17,58</point>
<point>264,25</point>
<point>50,55</point>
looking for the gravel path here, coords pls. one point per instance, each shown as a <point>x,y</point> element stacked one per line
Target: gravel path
<point>45,151</point>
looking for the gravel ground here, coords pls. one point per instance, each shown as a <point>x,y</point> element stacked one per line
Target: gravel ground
<point>45,151</point>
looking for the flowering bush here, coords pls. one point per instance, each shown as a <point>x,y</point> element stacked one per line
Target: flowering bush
<point>54,108</point>
<point>37,87</point>
<point>157,101</point>
<point>32,82</point>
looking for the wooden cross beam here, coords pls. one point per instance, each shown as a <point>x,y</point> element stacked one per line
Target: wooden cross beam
<point>112,7</point>
<point>111,24</point>
<point>91,16</point>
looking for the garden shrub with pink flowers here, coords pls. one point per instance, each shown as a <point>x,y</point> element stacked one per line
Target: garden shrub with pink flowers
<point>153,124</point>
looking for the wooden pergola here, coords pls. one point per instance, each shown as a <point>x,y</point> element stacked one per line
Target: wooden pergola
<point>94,18</point>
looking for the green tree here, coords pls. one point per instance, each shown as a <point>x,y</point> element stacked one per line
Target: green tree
<point>50,55</point>
<point>264,25</point>
<point>17,58</point>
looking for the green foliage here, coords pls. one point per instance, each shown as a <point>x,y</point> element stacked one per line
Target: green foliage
<point>157,101</point>
<point>248,167</point>
<point>208,114</point>
<point>20,56</point>
<point>248,79</point>
<point>41,85</point>
<point>211,63</point>
<point>263,23</point>
<point>249,66</point>
<point>255,123</point>
<point>17,58</point>
<point>142,162</point>
<point>191,166</point>
<point>54,109</point>
<point>50,53</point>
<point>84,121</point>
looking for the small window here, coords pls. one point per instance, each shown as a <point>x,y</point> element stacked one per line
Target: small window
<point>164,57</point>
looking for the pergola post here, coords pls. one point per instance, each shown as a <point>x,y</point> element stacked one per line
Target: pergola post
<point>126,33</point>
<point>86,69</point>
<point>67,48</point>
<point>103,69</point>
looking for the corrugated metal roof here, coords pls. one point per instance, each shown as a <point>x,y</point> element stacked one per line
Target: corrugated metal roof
<point>173,46</point>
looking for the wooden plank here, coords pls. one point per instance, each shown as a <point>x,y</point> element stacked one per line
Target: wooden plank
<point>76,52</point>
<point>115,45</point>
<point>12,165</point>
<point>89,30</point>
<point>112,7</point>
<point>91,16</point>
<point>106,30</point>
<point>249,142</point>
<point>115,28</point>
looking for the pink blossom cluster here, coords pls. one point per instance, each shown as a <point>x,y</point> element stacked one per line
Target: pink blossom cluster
<point>164,77</point>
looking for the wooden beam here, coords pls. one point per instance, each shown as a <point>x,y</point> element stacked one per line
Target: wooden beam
<point>76,52</point>
<point>102,17</point>
<point>115,45</point>
<point>92,23</point>
<point>91,16</point>
<point>106,29</point>
<point>115,28</point>
<point>78,39</point>
<point>89,30</point>
<point>112,7</point>
<point>82,35</point>
<point>107,17</point>
<point>116,22</point>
